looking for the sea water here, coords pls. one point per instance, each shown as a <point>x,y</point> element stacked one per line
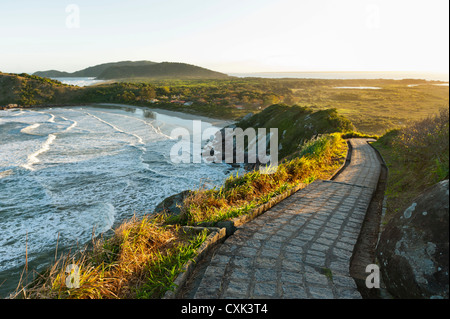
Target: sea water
<point>68,173</point>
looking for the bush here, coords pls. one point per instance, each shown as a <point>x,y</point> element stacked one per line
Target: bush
<point>417,156</point>
<point>426,143</point>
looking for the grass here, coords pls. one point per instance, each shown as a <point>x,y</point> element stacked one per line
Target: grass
<point>328,273</point>
<point>141,260</point>
<point>297,124</point>
<point>317,158</point>
<point>417,156</point>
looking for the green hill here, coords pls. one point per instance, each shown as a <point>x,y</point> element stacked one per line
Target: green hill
<point>93,71</point>
<point>162,70</point>
<point>296,124</point>
<point>139,69</point>
<point>26,90</point>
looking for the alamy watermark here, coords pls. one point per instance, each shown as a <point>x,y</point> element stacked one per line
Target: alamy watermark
<point>373,16</point>
<point>373,279</point>
<point>227,145</point>
<point>73,277</point>
<point>73,17</point>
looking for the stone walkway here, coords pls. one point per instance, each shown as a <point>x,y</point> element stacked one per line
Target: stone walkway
<point>300,248</point>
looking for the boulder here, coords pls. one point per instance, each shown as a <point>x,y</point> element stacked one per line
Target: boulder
<point>171,205</point>
<point>413,250</point>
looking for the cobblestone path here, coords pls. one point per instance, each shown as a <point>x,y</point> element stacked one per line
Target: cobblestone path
<point>300,248</point>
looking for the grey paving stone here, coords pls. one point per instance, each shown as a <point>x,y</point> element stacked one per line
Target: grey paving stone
<point>265,274</point>
<point>291,265</point>
<point>292,277</point>
<point>325,241</point>
<point>248,251</point>
<point>291,291</point>
<point>270,253</point>
<point>268,289</point>
<point>315,260</point>
<point>240,274</point>
<point>320,292</point>
<point>220,260</point>
<point>319,247</point>
<point>236,288</point>
<point>240,261</point>
<point>265,262</point>
<point>296,256</point>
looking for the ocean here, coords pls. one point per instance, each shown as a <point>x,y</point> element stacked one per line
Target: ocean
<point>429,76</point>
<point>68,173</point>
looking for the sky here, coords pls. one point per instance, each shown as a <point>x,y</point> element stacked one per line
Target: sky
<point>230,36</point>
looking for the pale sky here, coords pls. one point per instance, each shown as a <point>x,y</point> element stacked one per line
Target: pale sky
<point>231,36</point>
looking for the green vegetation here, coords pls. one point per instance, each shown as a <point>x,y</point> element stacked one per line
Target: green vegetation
<point>141,260</point>
<point>328,273</point>
<point>417,157</point>
<point>93,71</point>
<point>160,70</point>
<point>143,69</point>
<point>317,158</point>
<point>297,124</point>
<point>29,90</point>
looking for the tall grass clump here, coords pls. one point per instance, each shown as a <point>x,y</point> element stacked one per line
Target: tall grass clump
<point>417,156</point>
<point>317,158</point>
<point>141,260</point>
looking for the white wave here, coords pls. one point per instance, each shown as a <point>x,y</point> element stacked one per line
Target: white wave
<point>73,125</point>
<point>33,158</point>
<point>28,129</point>
<point>156,129</point>
<point>51,119</point>
<point>6,173</point>
<point>140,140</point>
<point>109,216</point>
<point>20,113</point>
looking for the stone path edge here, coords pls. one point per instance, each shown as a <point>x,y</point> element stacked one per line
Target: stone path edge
<point>216,236</point>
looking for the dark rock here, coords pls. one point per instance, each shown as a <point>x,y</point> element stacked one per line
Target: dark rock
<point>413,250</point>
<point>172,205</point>
<point>228,225</point>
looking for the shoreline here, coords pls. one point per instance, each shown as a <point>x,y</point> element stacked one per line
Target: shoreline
<point>179,114</point>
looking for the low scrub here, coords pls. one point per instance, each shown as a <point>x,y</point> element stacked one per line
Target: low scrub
<point>417,156</point>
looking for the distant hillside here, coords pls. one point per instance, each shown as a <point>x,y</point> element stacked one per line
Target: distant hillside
<point>93,71</point>
<point>139,69</point>
<point>160,70</point>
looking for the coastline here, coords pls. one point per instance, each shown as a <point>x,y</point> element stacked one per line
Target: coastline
<point>179,114</point>
<point>182,115</point>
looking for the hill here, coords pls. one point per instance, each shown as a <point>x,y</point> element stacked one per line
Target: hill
<point>162,70</point>
<point>27,90</point>
<point>296,124</point>
<point>139,69</point>
<point>93,71</point>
